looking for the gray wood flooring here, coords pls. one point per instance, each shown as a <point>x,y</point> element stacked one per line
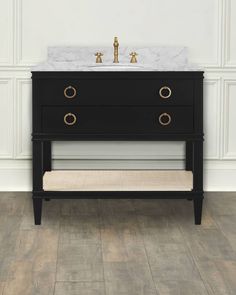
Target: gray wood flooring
<point>117,247</point>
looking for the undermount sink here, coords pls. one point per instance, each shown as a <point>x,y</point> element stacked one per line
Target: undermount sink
<point>100,67</point>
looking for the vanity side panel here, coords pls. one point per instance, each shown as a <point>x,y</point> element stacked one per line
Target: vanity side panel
<point>36,107</point>
<point>198,106</point>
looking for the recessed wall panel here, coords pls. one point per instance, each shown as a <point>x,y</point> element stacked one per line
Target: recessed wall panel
<point>24,118</point>
<point>136,22</point>
<point>6,118</point>
<point>6,32</point>
<point>230,31</point>
<point>212,117</point>
<point>230,120</point>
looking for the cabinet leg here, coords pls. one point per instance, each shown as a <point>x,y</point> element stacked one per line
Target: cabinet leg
<point>198,166</point>
<point>197,203</point>
<point>47,155</point>
<point>37,204</point>
<point>198,179</point>
<point>188,156</point>
<point>37,179</point>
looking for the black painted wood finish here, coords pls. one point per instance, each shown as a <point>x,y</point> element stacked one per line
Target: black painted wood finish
<point>117,106</point>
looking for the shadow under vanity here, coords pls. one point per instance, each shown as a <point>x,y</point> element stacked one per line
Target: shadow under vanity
<point>159,99</point>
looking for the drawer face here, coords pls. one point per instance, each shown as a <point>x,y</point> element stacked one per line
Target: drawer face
<point>117,120</point>
<point>114,92</point>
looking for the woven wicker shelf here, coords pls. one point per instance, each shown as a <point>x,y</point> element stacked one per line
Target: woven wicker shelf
<point>118,180</point>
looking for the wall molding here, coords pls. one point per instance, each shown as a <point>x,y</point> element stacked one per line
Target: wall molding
<point>218,175</point>
<point>217,124</point>
<point>226,154</point>
<point>219,41</point>
<point>15,38</point>
<point>8,120</point>
<point>8,60</point>
<point>227,40</point>
<point>20,152</point>
<point>151,151</point>
<point>18,36</point>
<point>21,61</point>
<point>220,73</point>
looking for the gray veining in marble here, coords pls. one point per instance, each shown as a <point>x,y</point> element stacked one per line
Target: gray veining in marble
<point>161,58</point>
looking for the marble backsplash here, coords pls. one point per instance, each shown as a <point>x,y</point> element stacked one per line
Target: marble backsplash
<point>162,58</point>
<point>146,55</point>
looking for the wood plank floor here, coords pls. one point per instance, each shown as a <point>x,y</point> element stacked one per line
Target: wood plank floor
<point>117,247</point>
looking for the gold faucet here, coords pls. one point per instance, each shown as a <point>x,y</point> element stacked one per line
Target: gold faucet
<point>116,45</point>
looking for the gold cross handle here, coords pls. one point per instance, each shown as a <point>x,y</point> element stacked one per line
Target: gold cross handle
<point>133,57</point>
<point>99,57</point>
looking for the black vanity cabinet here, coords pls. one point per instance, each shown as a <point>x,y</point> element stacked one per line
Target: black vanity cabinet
<point>151,106</point>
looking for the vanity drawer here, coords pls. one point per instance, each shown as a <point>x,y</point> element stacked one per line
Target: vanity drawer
<point>117,120</point>
<point>114,92</point>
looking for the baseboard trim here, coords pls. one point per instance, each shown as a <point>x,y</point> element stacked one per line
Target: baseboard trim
<point>218,175</point>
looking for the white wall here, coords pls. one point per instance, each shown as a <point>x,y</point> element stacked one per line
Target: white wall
<point>207,27</point>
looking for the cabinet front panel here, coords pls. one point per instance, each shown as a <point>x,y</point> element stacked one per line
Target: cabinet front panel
<point>114,92</point>
<point>76,119</point>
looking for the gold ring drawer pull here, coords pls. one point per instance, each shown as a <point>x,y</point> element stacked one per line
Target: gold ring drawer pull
<point>164,119</point>
<point>67,116</point>
<point>71,88</point>
<point>161,92</point>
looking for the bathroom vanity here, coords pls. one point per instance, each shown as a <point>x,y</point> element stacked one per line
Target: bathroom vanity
<point>75,103</point>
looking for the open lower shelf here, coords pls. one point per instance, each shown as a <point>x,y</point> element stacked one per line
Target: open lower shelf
<point>118,180</point>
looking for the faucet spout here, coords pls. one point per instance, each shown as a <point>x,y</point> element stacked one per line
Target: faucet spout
<point>116,52</point>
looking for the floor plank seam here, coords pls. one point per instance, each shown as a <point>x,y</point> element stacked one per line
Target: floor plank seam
<point>102,249</point>
<point>12,260</point>
<point>204,261</point>
<point>222,232</point>
<point>143,242</point>
<point>218,226</point>
<point>83,281</point>
<point>3,288</point>
<point>216,222</point>
<point>100,233</point>
<point>59,230</point>
<point>206,285</point>
<point>213,216</point>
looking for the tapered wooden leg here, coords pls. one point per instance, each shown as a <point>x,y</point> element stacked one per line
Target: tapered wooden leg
<point>37,204</point>
<point>197,203</point>
<point>188,156</point>
<point>37,179</point>
<point>198,179</point>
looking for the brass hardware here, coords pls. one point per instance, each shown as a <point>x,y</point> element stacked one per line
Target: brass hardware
<point>133,57</point>
<point>116,52</point>
<point>162,116</point>
<point>67,116</point>
<point>99,57</point>
<point>165,88</point>
<point>70,88</point>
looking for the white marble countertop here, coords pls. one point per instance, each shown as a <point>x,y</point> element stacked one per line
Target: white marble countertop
<point>149,59</point>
